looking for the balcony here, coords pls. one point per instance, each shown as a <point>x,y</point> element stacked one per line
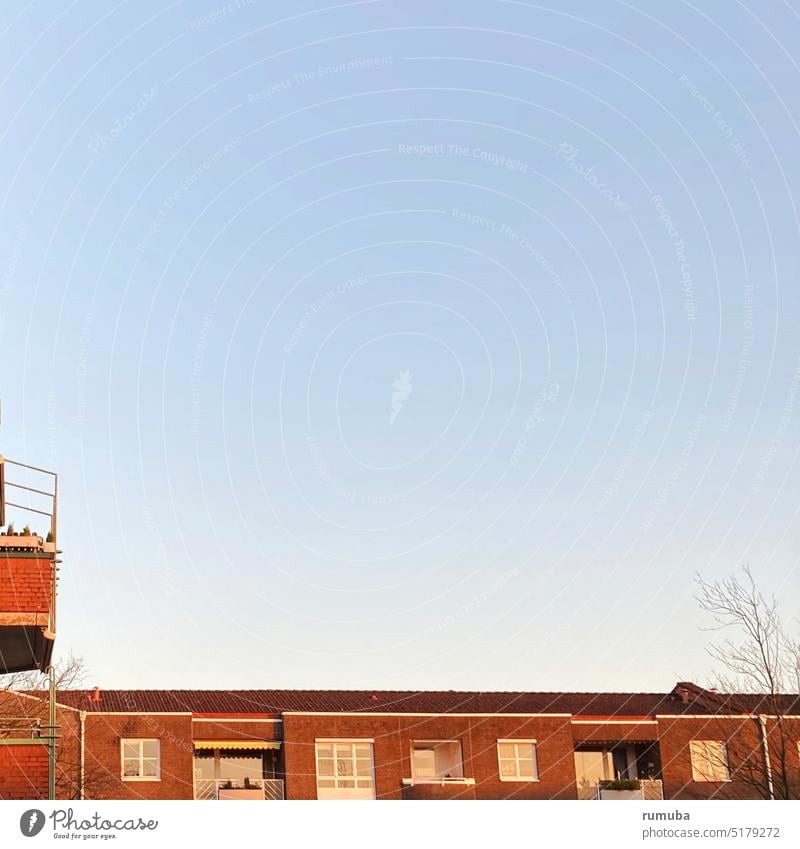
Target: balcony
<point>618,769</point>
<point>437,770</point>
<point>27,591</point>
<point>269,789</point>
<point>28,569</point>
<point>237,769</point>
<point>438,788</point>
<point>643,789</point>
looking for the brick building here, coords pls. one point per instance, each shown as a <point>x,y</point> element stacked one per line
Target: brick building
<point>689,743</point>
<point>275,744</point>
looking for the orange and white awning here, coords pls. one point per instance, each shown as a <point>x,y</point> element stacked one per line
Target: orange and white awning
<point>237,744</point>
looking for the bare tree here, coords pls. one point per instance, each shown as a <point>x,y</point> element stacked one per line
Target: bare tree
<point>760,666</point>
<point>70,674</point>
<point>24,708</point>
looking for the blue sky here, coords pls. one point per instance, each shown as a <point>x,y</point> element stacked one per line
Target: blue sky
<point>410,344</point>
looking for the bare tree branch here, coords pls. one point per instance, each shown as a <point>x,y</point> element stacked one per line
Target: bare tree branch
<point>759,658</point>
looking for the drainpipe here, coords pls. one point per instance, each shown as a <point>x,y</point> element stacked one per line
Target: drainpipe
<point>82,734</point>
<point>762,725</point>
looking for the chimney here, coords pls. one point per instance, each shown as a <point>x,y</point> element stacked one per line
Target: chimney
<point>95,696</point>
<point>684,694</point>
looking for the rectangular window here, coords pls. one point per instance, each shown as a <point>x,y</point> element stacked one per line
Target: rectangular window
<point>709,760</point>
<point>345,769</point>
<point>436,759</point>
<point>517,760</point>
<point>141,760</point>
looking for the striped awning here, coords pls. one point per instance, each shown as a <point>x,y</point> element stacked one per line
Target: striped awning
<point>237,744</point>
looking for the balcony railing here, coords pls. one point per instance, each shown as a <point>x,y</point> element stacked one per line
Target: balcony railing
<point>648,790</point>
<point>438,788</point>
<point>270,789</point>
<point>412,782</point>
<point>17,729</point>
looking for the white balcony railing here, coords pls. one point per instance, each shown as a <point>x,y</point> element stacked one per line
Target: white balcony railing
<point>412,782</point>
<point>648,790</point>
<point>270,789</point>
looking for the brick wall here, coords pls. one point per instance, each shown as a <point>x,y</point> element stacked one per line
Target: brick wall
<point>25,584</point>
<point>393,736</point>
<point>784,748</point>
<point>23,771</point>
<point>67,746</point>
<point>635,732</point>
<point>742,739</point>
<point>103,758</point>
<point>230,729</point>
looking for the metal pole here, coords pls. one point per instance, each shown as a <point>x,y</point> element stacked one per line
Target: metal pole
<point>54,532</point>
<point>51,770</point>
<point>762,725</point>
<point>52,753</point>
<point>54,517</point>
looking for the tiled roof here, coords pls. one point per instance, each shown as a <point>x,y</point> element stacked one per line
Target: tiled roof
<point>702,700</point>
<point>275,702</point>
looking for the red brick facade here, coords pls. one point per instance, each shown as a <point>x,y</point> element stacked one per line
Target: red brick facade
<point>103,760</point>
<point>89,754</point>
<point>23,771</point>
<point>25,583</point>
<point>393,738</point>
<point>745,752</point>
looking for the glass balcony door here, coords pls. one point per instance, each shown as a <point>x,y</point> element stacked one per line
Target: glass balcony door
<point>593,765</point>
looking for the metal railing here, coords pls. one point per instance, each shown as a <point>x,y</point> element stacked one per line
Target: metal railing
<point>50,497</point>
<point>649,790</point>
<point>652,789</point>
<point>50,494</point>
<point>208,788</point>
<point>23,727</point>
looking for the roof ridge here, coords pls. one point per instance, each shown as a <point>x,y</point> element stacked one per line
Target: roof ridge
<point>329,690</point>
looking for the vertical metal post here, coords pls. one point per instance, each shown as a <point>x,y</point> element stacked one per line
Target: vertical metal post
<point>51,770</point>
<point>54,516</point>
<point>54,532</point>
<point>2,491</point>
<point>762,725</point>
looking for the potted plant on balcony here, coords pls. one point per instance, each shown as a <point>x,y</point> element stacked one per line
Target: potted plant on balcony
<point>621,788</point>
<point>24,539</point>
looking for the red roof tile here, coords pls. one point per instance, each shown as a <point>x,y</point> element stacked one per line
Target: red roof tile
<point>275,702</point>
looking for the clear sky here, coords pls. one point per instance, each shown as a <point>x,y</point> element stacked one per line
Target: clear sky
<point>403,344</point>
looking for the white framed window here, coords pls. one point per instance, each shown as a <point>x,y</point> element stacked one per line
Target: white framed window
<point>434,760</point>
<point>709,760</point>
<point>345,769</point>
<point>517,760</point>
<point>141,759</point>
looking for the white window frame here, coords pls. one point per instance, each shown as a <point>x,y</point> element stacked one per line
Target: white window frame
<point>345,748</point>
<point>518,742</point>
<point>697,774</point>
<point>141,758</point>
